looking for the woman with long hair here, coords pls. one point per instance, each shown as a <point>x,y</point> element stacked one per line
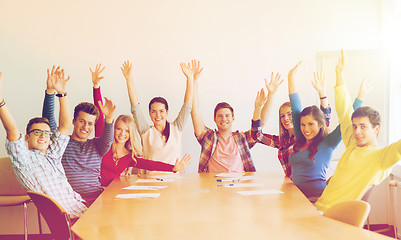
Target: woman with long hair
<point>126,148</point>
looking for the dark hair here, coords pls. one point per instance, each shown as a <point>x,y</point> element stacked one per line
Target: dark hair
<point>166,131</point>
<point>86,107</point>
<point>373,115</point>
<point>223,105</point>
<point>36,120</point>
<point>318,115</point>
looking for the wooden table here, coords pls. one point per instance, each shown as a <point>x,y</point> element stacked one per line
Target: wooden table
<point>194,207</point>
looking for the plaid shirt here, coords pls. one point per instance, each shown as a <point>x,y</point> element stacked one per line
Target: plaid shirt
<point>284,146</point>
<point>45,174</point>
<point>208,140</point>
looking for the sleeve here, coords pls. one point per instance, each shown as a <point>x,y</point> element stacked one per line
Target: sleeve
<point>48,110</point>
<point>139,119</point>
<point>260,137</point>
<point>97,96</point>
<point>18,152</point>
<point>334,138</point>
<point>58,144</point>
<point>296,109</point>
<point>249,139</point>
<point>147,164</point>
<point>103,143</point>
<point>344,111</point>
<point>202,136</point>
<point>327,114</point>
<point>392,154</point>
<point>182,116</point>
<point>357,103</point>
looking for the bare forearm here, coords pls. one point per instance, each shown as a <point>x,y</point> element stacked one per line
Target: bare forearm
<point>189,91</point>
<point>9,123</point>
<point>195,113</point>
<point>265,112</point>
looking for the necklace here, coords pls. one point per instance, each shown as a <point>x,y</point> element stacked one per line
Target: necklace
<point>116,160</point>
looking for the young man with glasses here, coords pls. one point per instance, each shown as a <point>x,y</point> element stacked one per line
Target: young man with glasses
<point>38,168</point>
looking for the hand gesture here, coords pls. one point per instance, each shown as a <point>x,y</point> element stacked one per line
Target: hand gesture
<point>50,78</point>
<point>95,75</point>
<point>126,69</point>
<point>366,86</point>
<point>260,98</point>
<point>341,63</point>
<point>319,83</point>
<point>181,165</point>
<point>195,65</point>
<point>108,108</point>
<point>274,83</point>
<point>59,82</point>
<point>187,70</point>
<point>293,71</point>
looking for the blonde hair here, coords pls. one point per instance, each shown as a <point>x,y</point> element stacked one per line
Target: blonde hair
<point>283,132</point>
<point>133,144</point>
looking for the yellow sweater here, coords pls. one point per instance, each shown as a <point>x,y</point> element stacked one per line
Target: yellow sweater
<point>358,168</point>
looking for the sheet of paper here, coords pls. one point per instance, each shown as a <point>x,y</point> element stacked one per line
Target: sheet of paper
<point>149,180</point>
<point>138,187</point>
<point>241,185</point>
<point>229,175</point>
<point>259,192</point>
<point>235,179</point>
<point>166,178</point>
<point>138,195</point>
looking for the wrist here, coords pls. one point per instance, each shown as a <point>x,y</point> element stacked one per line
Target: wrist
<point>50,91</point>
<point>96,86</point>
<point>61,94</point>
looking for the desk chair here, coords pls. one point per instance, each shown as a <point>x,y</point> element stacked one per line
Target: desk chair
<point>11,192</point>
<point>353,212</point>
<point>55,216</point>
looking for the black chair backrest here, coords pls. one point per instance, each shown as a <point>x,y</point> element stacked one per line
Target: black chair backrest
<point>56,217</point>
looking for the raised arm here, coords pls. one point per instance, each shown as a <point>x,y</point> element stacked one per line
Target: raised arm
<point>60,85</point>
<point>127,72</point>
<point>271,86</point>
<point>291,75</point>
<point>319,83</point>
<point>108,110</point>
<point>259,102</point>
<point>197,121</point>
<point>48,103</point>
<point>366,86</point>
<point>186,69</point>
<point>339,70</point>
<point>97,97</point>
<point>7,119</point>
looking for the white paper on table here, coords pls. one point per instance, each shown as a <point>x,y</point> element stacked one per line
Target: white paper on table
<point>259,192</point>
<point>233,185</point>
<point>166,178</point>
<point>138,187</point>
<point>150,180</point>
<point>138,195</point>
<point>230,175</point>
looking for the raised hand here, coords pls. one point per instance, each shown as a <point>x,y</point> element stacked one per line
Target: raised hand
<point>126,69</point>
<point>50,77</point>
<point>187,70</point>
<point>196,70</point>
<point>181,165</point>
<point>95,75</point>
<point>59,82</point>
<point>341,63</point>
<point>366,86</point>
<point>107,109</point>
<point>319,83</point>
<point>260,99</point>
<point>293,71</point>
<point>274,83</point>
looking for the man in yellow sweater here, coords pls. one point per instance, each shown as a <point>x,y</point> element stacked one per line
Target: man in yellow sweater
<point>363,163</point>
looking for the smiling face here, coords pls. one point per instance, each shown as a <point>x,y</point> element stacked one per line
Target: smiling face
<point>40,142</point>
<point>224,119</point>
<point>286,117</point>
<point>364,132</point>
<point>309,127</point>
<point>121,133</point>
<point>158,114</point>
<point>83,126</point>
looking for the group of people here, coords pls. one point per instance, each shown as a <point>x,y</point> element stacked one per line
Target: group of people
<point>75,169</point>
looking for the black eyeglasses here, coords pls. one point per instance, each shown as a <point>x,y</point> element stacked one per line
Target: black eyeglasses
<point>38,132</point>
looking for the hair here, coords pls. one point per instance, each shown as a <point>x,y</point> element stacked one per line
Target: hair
<point>133,144</point>
<point>223,105</point>
<point>36,120</point>
<point>318,115</point>
<point>283,132</point>
<point>373,115</point>
<point>166,131</point>
<point>86,107</point>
